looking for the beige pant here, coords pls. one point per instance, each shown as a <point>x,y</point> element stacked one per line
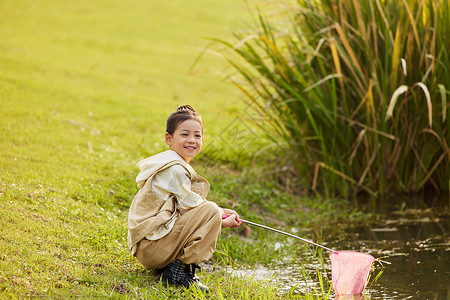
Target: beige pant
<point>192,239</point>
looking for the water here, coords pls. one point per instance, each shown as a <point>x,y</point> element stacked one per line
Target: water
<point>416,242</point>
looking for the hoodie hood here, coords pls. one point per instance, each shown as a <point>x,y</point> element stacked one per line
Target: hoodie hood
<point>153,164</point>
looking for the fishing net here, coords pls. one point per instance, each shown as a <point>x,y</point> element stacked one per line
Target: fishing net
<point>350,271</point>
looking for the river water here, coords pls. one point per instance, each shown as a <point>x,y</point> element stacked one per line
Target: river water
<point>416,243</point>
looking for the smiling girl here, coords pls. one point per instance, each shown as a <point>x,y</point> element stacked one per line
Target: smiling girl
<point>171,225</point>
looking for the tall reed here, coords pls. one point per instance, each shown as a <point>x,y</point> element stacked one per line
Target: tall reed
<point>356,92</point>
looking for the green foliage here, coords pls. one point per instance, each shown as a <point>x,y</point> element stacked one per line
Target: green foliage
<point>356,92</point>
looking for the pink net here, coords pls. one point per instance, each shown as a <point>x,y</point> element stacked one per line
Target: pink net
<point>350,271</point>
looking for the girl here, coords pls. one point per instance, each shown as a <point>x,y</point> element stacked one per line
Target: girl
<point>171,225</point>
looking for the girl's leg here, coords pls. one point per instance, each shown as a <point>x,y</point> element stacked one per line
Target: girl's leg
<point>192,239</point>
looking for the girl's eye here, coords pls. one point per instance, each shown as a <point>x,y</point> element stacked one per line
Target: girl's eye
<point>184,134</point>
<point>198,136</point>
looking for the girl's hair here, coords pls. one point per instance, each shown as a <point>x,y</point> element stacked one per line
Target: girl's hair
<point>183,113</point>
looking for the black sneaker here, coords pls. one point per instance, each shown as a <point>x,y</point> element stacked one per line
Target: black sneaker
<point>174,273</point>
<point>193,280</point>
<point>179,273</point>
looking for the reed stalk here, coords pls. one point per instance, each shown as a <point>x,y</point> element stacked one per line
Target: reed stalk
<point>358,88</point>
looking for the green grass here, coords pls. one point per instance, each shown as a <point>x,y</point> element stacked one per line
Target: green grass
<point>85,88</point>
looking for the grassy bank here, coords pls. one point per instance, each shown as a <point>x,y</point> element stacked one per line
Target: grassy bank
<point>85,88</point>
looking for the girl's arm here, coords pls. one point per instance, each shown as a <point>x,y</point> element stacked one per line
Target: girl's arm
<point>174,181</point>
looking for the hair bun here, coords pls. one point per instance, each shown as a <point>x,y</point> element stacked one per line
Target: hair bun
<point>185,109</point>
<point>183,113</point>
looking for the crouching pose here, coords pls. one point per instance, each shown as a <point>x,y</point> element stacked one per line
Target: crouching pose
<point>171,225</point>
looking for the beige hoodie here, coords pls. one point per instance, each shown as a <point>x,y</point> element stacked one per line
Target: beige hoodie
<point>151,215</point>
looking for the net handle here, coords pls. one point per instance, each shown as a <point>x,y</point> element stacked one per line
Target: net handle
<point>288,234</point>
<point>282,232</point>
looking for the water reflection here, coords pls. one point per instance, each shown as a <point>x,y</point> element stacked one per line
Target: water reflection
<point>350,297</point>
<point>416,243</point>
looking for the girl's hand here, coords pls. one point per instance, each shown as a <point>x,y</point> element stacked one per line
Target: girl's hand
<point>232,219</point>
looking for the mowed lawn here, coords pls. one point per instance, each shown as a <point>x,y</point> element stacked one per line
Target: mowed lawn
<point>85,87</point>
<point>101,76</point>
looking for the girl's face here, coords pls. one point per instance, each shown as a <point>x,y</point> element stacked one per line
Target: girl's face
<point>187,140</point>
